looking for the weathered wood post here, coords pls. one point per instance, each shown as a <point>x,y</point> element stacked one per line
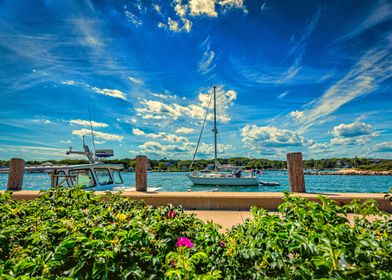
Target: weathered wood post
<point>296,172</point>
<point>141,173</point>
<point>15,176</point>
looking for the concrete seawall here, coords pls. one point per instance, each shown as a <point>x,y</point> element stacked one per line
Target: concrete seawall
<point>229,200</point>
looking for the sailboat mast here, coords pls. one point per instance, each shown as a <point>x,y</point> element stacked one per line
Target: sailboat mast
<point>215,130</point>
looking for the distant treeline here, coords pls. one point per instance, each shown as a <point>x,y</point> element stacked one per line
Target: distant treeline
<point>183,165</point>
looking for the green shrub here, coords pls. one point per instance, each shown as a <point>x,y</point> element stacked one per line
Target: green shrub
<point>74,234</point>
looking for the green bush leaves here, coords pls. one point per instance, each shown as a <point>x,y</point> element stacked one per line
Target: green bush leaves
<point>74,234</point>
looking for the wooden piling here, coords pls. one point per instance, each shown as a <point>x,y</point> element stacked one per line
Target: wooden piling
<point>15,176</point>
<point>141,173</point>
<point>296,172</point>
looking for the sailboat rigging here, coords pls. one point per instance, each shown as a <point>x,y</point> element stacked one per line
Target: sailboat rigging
<point>234,178</point>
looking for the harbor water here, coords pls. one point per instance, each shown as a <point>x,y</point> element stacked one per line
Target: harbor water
<point>178,182</point>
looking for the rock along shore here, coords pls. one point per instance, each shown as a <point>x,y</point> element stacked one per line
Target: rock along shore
<point>351,172</point>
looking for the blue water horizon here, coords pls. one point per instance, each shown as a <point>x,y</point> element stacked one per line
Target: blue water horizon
<point>178,182</point>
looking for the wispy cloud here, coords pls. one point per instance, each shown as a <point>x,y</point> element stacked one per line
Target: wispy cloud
<point>374,67</point>
<point>208,56</point>
<point>135,80</point>
<point>283,94</point>
<point>277,75</point>
<point>380,12</point>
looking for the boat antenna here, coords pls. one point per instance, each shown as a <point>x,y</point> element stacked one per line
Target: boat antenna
<point>91,128</point>
<point>215,130</point>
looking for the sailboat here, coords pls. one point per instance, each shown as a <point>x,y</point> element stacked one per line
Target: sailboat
<point>217,178</point>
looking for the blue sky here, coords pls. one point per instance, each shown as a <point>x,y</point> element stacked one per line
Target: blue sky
<point>308,76</point>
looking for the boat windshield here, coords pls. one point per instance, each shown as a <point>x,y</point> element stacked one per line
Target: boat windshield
<point>61,179</point>
<point>82,178</point>
<point>103,176</point>
<point>117,177</point>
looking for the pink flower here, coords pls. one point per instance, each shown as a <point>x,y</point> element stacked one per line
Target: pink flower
<point>222,244</point>
<point>183,241</point>
<point>172,214</point>
<point>112,222</point>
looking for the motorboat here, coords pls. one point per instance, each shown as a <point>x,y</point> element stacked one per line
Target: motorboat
<point>95,175</point>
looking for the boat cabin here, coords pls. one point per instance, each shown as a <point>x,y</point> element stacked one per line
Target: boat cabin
<point>100,177</point>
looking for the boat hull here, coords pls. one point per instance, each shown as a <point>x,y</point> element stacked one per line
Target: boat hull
<point>224,181</point>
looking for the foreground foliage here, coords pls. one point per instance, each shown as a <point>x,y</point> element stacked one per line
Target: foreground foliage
<point>74,234</point>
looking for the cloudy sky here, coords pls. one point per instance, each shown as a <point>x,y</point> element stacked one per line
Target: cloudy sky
<point>308,76</point>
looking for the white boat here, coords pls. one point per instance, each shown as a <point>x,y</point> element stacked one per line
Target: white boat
<point>219,179</point>
<point>216,178</point>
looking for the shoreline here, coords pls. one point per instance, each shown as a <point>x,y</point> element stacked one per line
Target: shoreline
<point>350,171</point>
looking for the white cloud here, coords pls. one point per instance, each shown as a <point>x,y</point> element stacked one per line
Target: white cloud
<point>183,11</point>
<point>157,148</point>
<point>137,132</point>
<point>161,135</point>
<point>98,134</point>
<point>369,72</point>
<point>269,136</point>
<point>157,8</point>
<point>110,92</point>
<point>384,147</point>
<point>319,146</point>
<point>135,80</point>
<point>180,9</point>
<point>297,115</point>
<point>187,24</point>
<point>69,82</point>
<point>184,130</point>
<point>356,133</point>
<point>158,110</point>
<point>42,121</point>
<point>173,25</point>
<point>352,129</point>
<point>66,141</point>
<point>202,7</point>
<point>87,123</point>
<point>228,4</point>
<point>183,150</point>
<point>164,95</point>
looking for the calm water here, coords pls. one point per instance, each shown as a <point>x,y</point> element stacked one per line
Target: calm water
<point>177,181</point>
